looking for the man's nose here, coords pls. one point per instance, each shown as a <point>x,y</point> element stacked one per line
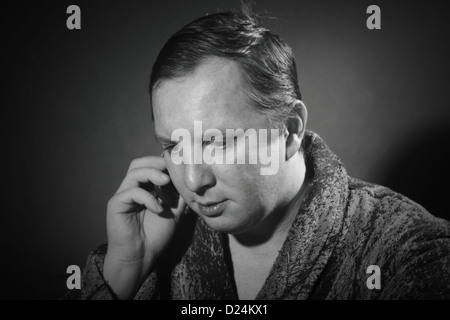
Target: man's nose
<point>198,177</point>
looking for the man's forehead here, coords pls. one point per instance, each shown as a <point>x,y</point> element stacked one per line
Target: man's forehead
<point>215,80</point>
<point>213,93</point>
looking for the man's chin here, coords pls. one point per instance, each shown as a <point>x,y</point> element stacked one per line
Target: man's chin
<point>223,224</point>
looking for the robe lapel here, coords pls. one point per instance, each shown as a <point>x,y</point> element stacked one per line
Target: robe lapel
<point>204,272</point>
<point>315,230</point>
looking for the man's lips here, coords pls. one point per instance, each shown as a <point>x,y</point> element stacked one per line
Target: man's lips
<point>212,209</point>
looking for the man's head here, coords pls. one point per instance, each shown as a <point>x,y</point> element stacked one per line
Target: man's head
<point>267,63</point>
<point>229,73</point>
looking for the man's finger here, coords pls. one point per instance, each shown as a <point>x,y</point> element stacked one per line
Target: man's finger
<point>143,175</point>
<point>126,199</point>
<point>148,162</point>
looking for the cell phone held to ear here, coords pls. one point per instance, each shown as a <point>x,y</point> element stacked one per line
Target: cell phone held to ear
<point>167,194</point>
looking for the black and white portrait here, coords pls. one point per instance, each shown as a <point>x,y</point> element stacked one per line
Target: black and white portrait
<point>237,150</point>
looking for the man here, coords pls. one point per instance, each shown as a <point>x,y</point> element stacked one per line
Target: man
<point>308,231</point>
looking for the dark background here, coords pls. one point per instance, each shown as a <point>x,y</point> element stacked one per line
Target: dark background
<point>76,110</point>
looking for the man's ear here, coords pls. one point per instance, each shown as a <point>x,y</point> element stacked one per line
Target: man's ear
<point>295,129</point>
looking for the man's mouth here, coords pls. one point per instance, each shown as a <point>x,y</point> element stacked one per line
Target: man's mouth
<point>212,209</point>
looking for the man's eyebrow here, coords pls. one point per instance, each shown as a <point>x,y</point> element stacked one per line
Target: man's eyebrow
<point>162,139</point>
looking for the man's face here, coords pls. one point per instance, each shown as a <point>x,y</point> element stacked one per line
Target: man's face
<point>214,94</point>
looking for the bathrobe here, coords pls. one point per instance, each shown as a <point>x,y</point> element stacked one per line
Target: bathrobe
<point>349,240</point>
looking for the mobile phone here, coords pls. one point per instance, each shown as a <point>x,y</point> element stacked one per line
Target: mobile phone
<point>168,194</point>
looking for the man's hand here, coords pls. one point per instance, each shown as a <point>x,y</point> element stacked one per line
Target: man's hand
<point>138,228</point>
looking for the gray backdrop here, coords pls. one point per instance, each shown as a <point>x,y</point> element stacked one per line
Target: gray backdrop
<point>78,112</point>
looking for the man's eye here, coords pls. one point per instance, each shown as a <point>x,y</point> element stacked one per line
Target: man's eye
<point>216,143</point>
<point>219,143</point>
<point>172,148</point>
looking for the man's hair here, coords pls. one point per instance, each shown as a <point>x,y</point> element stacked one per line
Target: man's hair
<point>266,61</point>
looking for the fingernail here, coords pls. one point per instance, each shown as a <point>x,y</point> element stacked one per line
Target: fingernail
<point>165,177</point>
